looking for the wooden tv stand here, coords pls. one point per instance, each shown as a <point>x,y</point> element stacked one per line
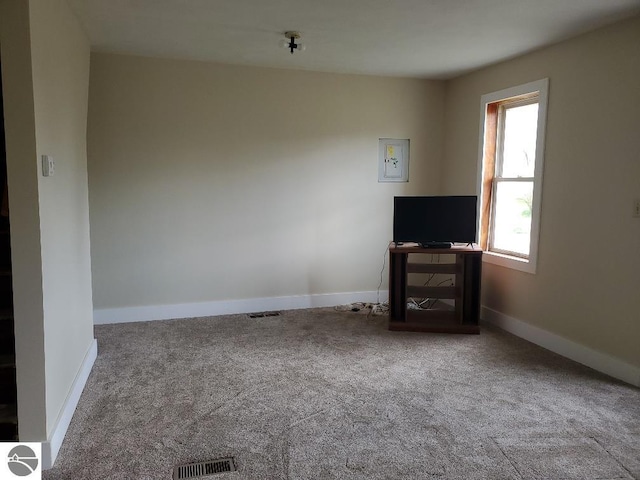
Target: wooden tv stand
<point>466,269</point>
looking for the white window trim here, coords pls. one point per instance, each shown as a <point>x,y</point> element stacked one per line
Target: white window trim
<point>529,264</point>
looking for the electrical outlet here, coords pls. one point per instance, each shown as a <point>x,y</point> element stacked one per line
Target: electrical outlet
<point>636,207</point>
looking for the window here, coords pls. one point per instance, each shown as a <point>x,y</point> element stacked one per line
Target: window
<point>510,174</point>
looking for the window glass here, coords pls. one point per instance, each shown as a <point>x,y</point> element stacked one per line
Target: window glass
<point>519,140</point>
<point>512,217</point>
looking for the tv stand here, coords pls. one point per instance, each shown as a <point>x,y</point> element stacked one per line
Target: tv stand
<point>466,269</point>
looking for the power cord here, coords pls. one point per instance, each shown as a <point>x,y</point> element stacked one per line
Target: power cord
<point>371,308</point>
<point>378,308</point>
<point>384,263</point>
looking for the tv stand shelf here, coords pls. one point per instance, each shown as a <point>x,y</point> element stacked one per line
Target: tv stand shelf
<point>465,293</point>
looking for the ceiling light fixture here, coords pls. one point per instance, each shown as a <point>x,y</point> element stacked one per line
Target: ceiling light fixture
<point>290,42</point>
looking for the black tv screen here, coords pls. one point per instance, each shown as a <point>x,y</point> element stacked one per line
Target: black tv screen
<point>435,219</point>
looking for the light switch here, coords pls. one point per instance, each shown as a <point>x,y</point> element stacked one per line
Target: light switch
<point>48,166</point>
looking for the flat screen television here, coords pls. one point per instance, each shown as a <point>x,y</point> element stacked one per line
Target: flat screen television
<point>435,220</point>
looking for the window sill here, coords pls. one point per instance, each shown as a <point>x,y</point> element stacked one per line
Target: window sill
<point>509,261</point>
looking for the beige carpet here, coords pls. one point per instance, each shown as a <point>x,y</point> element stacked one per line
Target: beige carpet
<point>320,394</point>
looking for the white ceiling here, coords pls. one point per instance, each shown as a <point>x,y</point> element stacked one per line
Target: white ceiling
<point>413,38</point>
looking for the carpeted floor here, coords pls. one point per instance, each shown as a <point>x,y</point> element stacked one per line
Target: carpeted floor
<point>320,394</point>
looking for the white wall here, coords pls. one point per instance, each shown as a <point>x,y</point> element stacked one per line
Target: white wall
<point>212,182</point>
<point>45,57</point>
<point>586,287</point>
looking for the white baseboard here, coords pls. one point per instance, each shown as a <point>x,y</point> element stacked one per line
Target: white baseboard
<point>51,447</point>
<point>228,307</point>
<point>562,346</point>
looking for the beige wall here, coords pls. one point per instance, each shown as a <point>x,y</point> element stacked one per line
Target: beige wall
<point>211,182</point>
<point>17,86</point>
<point>586,287</point>
<point>45,57</point>
<point>60,58</point>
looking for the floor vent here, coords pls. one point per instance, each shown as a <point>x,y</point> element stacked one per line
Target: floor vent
<point>204,469</point>
<point>264,314</point>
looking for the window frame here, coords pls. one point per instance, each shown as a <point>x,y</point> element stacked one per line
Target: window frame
<point>488,163</point>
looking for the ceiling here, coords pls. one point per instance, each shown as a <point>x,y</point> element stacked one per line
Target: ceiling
<point>409,38</point>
